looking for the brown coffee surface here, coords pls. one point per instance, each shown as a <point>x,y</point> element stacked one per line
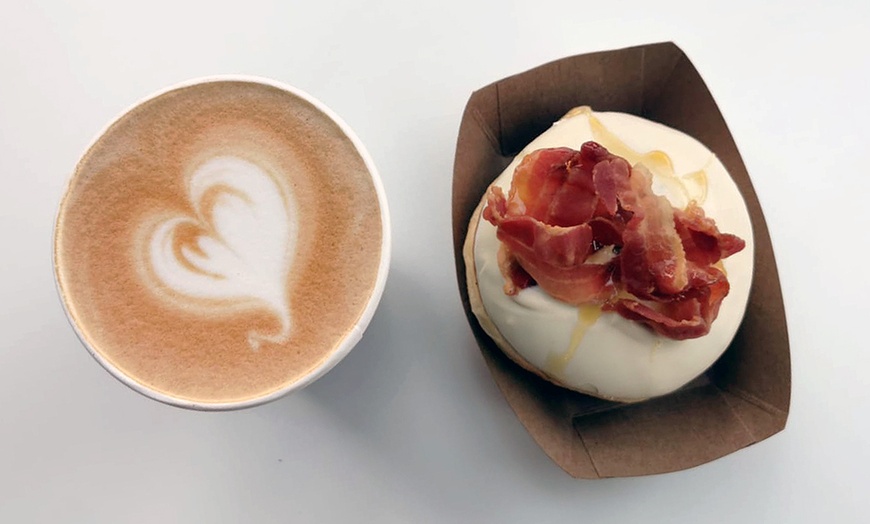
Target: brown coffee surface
<point>199,349</point>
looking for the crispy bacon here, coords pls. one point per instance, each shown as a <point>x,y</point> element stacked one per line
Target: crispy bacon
<point>516,278</point>
<point>652,260</point>
<point>684,316</point>
<point>703,242</point>
<point>552,256</point>
<point>564,205</point>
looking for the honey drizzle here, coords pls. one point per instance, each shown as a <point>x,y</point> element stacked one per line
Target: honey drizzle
<point>587,315</point>
<point>658,162</point>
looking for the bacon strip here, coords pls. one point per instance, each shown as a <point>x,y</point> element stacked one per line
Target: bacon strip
<point>703,242</point>
<point>652,261</point>
<point>564,204</point>
<point>516,278</point>
<point>552,256</point>
<point>684,316</point>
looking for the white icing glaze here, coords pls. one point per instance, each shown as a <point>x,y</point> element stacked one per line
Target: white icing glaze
<point>618,358</point>
<point>245,234</point>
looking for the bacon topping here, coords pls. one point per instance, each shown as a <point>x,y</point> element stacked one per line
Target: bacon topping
<point>564,205</point>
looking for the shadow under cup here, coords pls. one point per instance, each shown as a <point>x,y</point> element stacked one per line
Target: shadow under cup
<point>222,243</point>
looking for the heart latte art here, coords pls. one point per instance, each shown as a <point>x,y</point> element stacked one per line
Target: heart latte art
<point>236,249</point>
<point>219,242</point>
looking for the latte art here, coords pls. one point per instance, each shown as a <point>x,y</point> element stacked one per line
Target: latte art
<point>238,247</point>
<point>222,243</point>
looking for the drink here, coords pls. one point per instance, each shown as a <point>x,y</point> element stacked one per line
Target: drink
<point>222,243</point>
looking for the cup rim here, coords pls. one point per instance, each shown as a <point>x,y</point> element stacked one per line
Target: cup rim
<point>350,339</point>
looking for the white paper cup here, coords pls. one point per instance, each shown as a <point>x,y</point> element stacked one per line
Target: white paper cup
<point>352,337</point>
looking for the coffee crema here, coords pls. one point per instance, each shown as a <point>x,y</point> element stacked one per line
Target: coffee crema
<point>219,241</point>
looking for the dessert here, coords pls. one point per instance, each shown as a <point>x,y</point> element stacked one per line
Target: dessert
<point>626,283</point>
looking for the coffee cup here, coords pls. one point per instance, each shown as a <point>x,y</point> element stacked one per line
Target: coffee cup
<point>222,243</point>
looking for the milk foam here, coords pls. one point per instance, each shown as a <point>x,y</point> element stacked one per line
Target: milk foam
<point>236,249</point>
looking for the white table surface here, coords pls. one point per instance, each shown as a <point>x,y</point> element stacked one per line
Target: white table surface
<point>410,427</point>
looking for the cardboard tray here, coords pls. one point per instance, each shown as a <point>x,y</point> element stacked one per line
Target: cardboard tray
<point>744,397</point>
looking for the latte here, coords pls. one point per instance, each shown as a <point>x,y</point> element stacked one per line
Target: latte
<point>221,242</point>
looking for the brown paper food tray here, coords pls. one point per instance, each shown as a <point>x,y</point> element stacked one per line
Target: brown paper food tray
<point>744,397</point>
